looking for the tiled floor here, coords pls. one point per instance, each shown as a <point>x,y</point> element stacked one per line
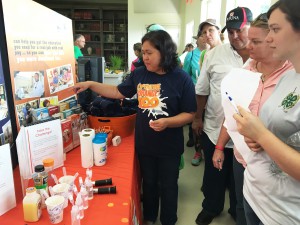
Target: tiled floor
<point>190,196</point>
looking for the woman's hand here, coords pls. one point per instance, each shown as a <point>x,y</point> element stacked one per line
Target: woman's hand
<point>254,146</point>
<point>80,87</point>
<point>158,125</point>
<point>249,125</point>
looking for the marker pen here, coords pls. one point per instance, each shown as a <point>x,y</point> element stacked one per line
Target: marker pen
<point>102,182</point>
<point>107,190</point>
<point>233,103</point>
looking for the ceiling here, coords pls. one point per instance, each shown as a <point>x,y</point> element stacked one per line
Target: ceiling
<point>156,6</point>
<point>140,6</point>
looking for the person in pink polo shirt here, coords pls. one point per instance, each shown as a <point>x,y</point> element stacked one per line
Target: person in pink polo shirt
<point>262,61</point>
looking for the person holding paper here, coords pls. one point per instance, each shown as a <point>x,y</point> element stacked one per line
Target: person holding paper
<point>272,178</point>
<point>272,70</point>
<point>166,96</point>
<point>217,63</point>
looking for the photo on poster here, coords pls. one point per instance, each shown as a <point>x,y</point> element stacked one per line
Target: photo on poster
<point>29,84</point>
<point>48,101</point>
<point>60,78</point>
<point>7,131</point>
<point>24,112</point>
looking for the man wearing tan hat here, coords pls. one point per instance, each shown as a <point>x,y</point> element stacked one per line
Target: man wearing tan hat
<point>217,63</point>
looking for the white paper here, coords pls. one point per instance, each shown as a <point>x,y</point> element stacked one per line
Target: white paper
<point>7,187</point>
<point>241,85</point>
<point>37,142</point>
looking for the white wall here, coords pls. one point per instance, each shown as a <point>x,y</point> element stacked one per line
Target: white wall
<point>192,10</point>
<point>137,23</point>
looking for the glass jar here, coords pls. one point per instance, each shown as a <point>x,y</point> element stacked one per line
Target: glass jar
<point>40,177</point>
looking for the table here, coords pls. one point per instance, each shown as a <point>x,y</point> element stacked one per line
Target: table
<point>108,209</point>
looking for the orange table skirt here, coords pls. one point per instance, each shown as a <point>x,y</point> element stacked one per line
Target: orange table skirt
<point>109,209</point>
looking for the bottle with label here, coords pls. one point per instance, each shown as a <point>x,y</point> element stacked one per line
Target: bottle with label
<point>40,179</point>
<point>32,205</point>
<point>99,147</point>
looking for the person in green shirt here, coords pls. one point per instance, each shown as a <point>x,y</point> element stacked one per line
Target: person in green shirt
<point>79,43</point>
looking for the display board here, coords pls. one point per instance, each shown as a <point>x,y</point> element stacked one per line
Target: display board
<point>40,52</point>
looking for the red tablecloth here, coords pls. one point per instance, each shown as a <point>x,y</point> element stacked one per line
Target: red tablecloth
<point>107,209</point>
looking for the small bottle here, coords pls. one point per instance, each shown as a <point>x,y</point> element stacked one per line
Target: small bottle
<point>75,215</point>
<point>89,188</point>
<point>85,197</point>
<point>49,165</point>
<point>40,179</point>
<point>32,205</point>
<point>79,203</point>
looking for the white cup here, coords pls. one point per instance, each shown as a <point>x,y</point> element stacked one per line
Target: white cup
<point>68,179</point>
<point>62,190</point>
<point>55,208</point>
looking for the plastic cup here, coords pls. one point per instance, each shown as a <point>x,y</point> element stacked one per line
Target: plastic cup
<point>62,190</point>
<point>55,208</point>
<point>68,179</point>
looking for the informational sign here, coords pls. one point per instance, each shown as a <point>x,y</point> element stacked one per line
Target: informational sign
<point>40,51</point>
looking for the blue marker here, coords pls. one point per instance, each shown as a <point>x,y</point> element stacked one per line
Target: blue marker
<point>232,103</point>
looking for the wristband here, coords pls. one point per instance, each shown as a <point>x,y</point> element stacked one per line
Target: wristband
<point>221,148</point>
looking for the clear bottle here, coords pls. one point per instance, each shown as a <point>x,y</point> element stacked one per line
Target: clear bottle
<point>32,205</point>
<point>49,165</point>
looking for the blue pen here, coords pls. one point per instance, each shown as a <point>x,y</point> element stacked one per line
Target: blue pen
<point>232,103</point>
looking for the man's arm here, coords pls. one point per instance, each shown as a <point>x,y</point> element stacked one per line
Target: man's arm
<point>218,157</point>
<point>197,124</point>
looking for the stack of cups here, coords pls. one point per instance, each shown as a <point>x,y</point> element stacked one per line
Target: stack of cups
<point>100,151</point>
<point>62,190</point>
<point>55,208</point>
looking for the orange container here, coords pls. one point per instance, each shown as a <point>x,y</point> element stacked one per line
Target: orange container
<point>121,126</point>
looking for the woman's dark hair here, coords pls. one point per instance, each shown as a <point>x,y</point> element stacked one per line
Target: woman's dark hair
<point>137,47</point>
<point>291,10</point>
<point>163,42</point>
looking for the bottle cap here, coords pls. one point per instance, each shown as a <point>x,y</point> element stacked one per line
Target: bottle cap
<point>48,162</point>
<point>99,140</point>
<point>39,168</point>
<point>101,135</point>
<point>30,190</point>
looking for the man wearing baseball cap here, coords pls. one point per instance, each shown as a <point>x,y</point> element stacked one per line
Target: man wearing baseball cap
<point>218,169</point>
<point>238,18</point>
